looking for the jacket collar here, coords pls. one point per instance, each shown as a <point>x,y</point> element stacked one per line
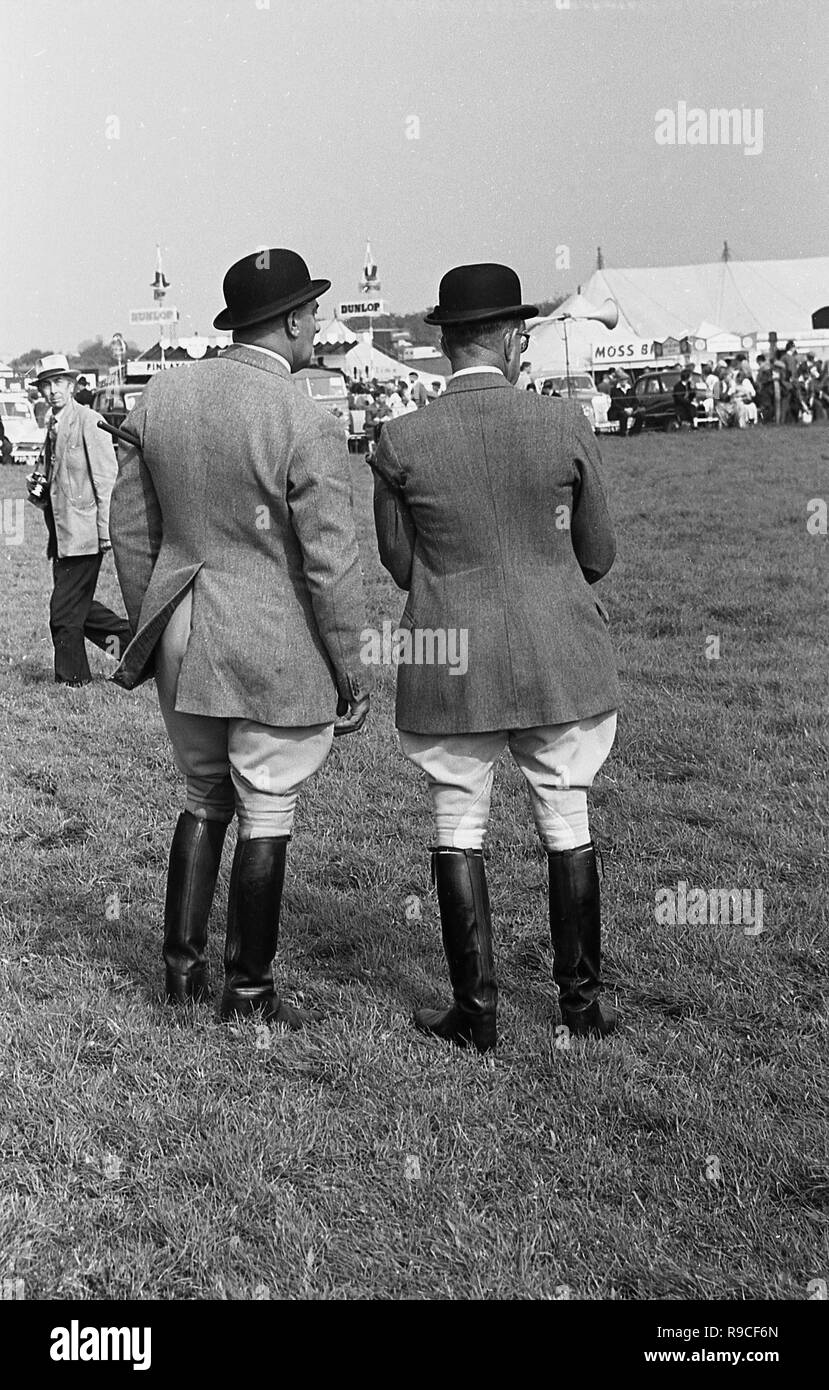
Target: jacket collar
<point>477,381</point>
<point>240,352</point>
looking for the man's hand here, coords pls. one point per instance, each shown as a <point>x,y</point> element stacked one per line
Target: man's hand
<point>351,715</point>
<point>104,546</point>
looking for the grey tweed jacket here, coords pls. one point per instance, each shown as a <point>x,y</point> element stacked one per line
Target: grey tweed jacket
<point>241,489</point>
<point>489,508</point>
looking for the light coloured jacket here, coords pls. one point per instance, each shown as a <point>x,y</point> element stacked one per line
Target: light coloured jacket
<point>241,489</point>
<point>490,510</point>
<point>83,474</point>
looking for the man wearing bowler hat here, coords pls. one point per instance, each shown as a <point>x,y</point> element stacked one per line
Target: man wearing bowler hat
<point>79,473</point>
<point>235,546</point>
<point>490,511</point>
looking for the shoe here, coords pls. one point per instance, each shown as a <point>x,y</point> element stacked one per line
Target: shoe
<point>575,931</point>
<point>253,907</point>
<point>466,927</point>
<point>195,856</point>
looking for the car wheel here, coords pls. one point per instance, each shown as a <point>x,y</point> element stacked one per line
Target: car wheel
<point>672,425</point>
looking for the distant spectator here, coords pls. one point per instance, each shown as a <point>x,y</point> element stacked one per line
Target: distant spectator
<point>83,395</point>
<point>685,396</point>
<point>417,391</point>
<point>407,406</point>
<point>621,400</point>
<point>525,380</point>
<point>745,408</point>
<point>764,388</point>
<point>706,389</point>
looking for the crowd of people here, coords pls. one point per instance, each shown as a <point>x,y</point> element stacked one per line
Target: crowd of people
<point>380,402</point>
<point>784,388</point>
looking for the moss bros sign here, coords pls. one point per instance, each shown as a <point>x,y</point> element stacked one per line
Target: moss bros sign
<point>636,350</point>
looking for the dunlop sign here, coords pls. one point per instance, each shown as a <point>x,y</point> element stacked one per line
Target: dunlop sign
<point>361,309</point>
<point>157,315</point>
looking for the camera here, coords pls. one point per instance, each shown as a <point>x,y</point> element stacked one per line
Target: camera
<point>38,486</point>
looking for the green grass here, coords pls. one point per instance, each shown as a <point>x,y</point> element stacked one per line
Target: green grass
<point>152,1154</point>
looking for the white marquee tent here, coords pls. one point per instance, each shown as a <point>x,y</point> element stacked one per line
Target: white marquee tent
<point>718,303</point>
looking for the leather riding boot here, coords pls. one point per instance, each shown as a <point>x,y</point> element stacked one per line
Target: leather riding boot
<point>466,927</point>
<point>254,901</point>
<point>195,856</point>
<point>575,930</point>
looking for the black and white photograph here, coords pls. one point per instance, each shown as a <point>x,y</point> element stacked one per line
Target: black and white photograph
<point>414,754</point>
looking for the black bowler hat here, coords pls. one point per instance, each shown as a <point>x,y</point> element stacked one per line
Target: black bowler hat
<point>469,293</point>
<point>265,284</point>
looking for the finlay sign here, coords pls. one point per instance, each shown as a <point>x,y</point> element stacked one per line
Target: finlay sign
<point>635,350</point>
<point>361,309</point>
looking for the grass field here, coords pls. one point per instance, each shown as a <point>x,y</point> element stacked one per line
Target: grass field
<point>152,1154</point>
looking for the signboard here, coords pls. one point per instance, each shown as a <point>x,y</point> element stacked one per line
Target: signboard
<point>140,368</point>
<point>361,309</point>
<point>156,315</point>
<point>636,350</point>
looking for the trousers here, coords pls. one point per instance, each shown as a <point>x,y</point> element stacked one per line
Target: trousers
<point>559,762</point>
<point>235,765</point>
<point>75,614</point>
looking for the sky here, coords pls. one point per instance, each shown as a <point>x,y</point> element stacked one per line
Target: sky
<point>447,131</point>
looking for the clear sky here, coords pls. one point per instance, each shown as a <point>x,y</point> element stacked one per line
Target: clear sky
<point>219,126</point>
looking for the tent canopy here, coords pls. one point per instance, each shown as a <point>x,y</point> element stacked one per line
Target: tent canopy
<point>741,296</point>
<point>334,332</point>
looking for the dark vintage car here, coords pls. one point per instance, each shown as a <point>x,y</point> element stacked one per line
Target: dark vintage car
<point>327,386</point>
<point>115,402</point>
<point>653,402</point>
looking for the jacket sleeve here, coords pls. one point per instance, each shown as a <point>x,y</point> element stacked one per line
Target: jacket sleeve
<point>591,529</point>
<point>393,523</point>
<point>319,501</point>
<point>103,467</point>
<point>135,519</point>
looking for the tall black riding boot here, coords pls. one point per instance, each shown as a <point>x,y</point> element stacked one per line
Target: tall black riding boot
<point>195,856</point>
<point>575,929</point>
<point>253,932</point>
<point>466,926</point>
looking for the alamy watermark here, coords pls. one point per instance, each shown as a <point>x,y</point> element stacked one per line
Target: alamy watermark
<point>417,646</point>
<point>719,126</point>
<point>699,907</point>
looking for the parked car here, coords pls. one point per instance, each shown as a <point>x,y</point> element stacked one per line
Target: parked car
<point>115,402</point>
<point>581,388</point>
<point>653,402</point>
<point>328,388</point>
<point>23,433</point>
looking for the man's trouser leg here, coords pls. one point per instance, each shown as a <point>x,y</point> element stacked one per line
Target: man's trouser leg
<point>560,763</point>
<point>74,580</point>
<point>256,770</point>
<point>460,771</point>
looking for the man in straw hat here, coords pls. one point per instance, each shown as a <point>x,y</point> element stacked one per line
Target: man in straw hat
<point>235,545</point>
<point>79,473</point>
<point>490,511</point>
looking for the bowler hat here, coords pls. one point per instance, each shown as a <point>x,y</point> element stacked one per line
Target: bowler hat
<point>471,293</point>
<point>264,285</point>
<point>55,364</point>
